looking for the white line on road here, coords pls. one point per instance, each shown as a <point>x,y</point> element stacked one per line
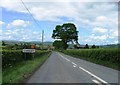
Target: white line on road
<point>64,57</point>
<point>67,59</point>
<point>74,63</point>
<point>94,76</point>
<point>97,82</point>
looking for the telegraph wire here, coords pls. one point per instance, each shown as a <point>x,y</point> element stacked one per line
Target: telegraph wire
<point>33,19</point>
<point>30,13</point>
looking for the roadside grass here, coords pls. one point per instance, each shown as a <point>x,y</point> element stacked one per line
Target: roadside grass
<point>106,57</point>
<point>0,76</point>
<point>22,70</point>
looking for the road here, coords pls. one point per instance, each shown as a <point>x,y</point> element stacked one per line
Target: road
<point>61,68</point>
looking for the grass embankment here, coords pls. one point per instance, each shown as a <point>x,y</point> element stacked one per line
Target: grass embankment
<point>106,56</point>
<point>21,70</point>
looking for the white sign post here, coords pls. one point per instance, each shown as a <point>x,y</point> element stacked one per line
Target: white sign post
<point>29,51</point>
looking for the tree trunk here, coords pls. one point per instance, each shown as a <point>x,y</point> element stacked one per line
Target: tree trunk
<point>66,45</point>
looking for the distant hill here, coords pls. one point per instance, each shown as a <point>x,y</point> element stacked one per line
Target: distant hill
<point>111,46</point>
<point>38,42</point>
<point>48,43</point>
<point>12,42</point>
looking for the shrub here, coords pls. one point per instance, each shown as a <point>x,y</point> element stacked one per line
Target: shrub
<point>110,55</point>
<point>12,57</point>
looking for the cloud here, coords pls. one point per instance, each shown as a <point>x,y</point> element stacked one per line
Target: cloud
<point>18,23</point>
<point>93,16</point>
<point>100,30</point>
<point>14,5</point>
<point>2,23</point>
<point>21,35</point>
<point>101,18</point>
<point>94,39</point>
<point>56,9</point>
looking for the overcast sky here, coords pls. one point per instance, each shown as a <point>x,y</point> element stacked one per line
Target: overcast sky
<point>97,22</point>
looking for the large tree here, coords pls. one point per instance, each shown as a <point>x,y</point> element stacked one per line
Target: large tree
<point>59,44</point>
<point>66,32</point>
<point>3,43</point>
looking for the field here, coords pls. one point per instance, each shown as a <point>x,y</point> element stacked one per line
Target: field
<point>104,56</point>
<point>16,68</point>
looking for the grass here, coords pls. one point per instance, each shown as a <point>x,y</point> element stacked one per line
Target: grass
<point>0,76</point>
<point>22,70</point>
<point>106,56</point>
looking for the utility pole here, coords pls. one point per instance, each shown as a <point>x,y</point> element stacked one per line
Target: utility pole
<point>42,38</point>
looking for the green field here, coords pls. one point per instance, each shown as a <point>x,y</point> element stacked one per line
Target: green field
<point>16,71</point>
<point>104,56</point>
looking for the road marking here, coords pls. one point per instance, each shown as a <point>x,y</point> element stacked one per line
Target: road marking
<point>64,57</point>
<point>74,63</point>
<point>67,59</point>
<point>97,82</point>
<point>94,76</point>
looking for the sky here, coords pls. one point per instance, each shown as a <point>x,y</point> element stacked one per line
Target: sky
<point>97,22</point>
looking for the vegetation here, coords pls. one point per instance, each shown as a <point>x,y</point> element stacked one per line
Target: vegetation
<point>19,69</point>
<point>93,46</point>
<point>67,33</point>
<point>11,57</point>
<point>107,57</point>
<point>16,65</point>
<point>18,45</point>
<point>3,43</point>
<point>59,44</point>
<point>86,46</point>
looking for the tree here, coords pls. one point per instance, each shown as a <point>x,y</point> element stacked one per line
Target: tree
<point>66,32</point>
<point>3,43</point>
<point>86,46</point>
<point>59,44</point>
<point>93,46</point>
<point>16,46</point>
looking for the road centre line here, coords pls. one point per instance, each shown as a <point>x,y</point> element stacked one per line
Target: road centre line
<point>67,59</point>
<point>74,63</point>
<point>94,76</point>
<point>97,82</point>
<point>103,81</point>
<point>64,57</point>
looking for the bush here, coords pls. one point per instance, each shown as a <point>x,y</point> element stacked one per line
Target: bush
<point>12,57</point>
<point>109,55</point>
<point>86,46</point>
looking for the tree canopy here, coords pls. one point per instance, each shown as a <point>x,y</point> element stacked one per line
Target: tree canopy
<point>66,32</point>
<point>59,44</point>
<point>3,43</point>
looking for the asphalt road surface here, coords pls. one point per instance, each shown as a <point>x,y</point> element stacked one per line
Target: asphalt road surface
<point>61,68</point>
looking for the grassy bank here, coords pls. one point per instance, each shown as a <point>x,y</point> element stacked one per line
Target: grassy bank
<point>22,70</point>
<point>106,57</point>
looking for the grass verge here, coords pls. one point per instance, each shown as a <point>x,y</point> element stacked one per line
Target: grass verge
<point>22,70</point>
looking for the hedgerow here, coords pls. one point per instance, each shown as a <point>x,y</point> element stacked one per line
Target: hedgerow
<point>12,57</point>
<point>109,55</point>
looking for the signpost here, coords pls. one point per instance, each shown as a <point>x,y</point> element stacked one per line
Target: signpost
<point>29,51</point>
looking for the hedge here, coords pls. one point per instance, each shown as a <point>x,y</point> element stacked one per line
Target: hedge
<point>110,55</point>
<point>12,57</point>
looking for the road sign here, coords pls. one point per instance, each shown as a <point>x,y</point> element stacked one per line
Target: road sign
<point>33,46</point>
<point>29,50</point>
